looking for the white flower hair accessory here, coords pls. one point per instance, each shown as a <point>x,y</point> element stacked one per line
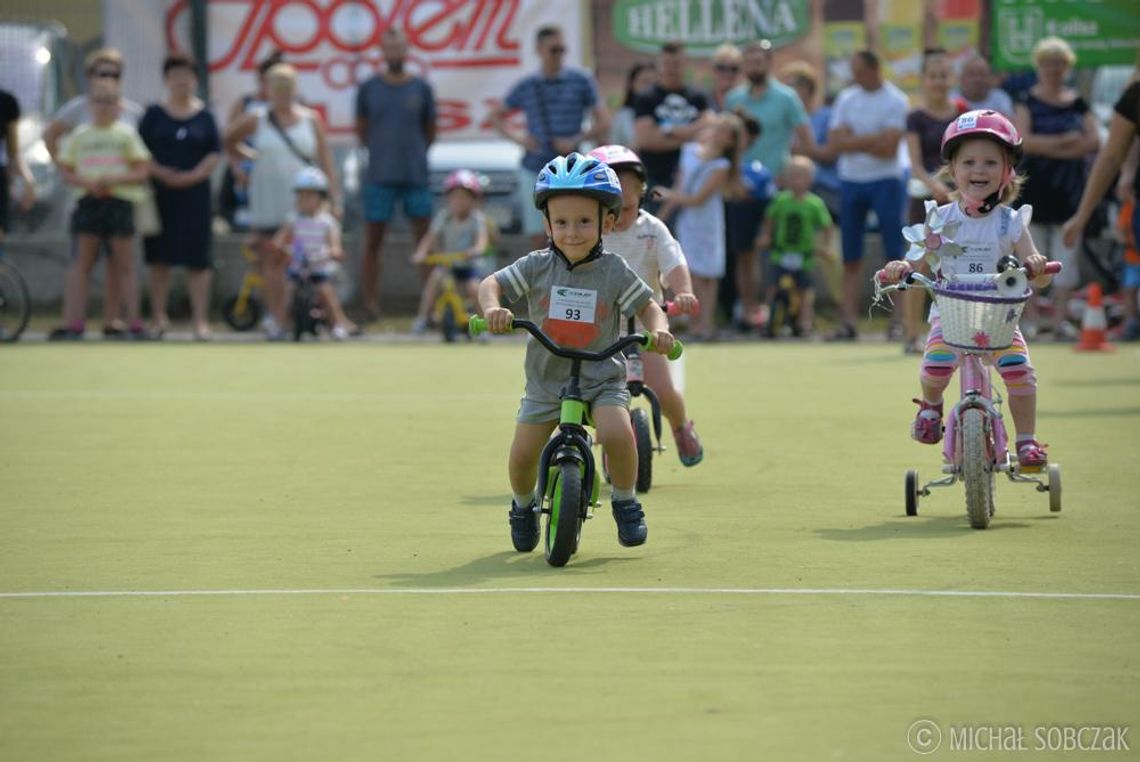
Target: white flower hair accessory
<point>933,237</point>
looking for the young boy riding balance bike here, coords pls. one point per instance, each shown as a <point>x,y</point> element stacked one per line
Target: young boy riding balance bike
<point>581,295</point>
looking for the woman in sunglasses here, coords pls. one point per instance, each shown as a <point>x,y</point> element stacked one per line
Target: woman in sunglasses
<point>726,74</point>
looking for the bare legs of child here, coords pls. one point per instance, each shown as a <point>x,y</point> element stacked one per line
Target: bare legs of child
<point>342,327</point>
<point>689,447</point>
<point>705,289</point>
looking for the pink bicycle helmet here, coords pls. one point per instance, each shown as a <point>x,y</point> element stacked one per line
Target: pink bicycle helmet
<point>619,158</point>
<point>466,179</point>
<point>981,124</point>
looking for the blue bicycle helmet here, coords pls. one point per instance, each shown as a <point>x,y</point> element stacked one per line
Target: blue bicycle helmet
<point>584,175</point>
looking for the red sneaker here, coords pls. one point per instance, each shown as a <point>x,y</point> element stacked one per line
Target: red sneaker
<point>927,426</point>
<point>1031,454</point>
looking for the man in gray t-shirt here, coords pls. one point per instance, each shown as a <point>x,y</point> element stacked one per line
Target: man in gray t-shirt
<point>395,121</point>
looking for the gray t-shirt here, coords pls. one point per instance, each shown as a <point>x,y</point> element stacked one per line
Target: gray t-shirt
<point>579,308</point>
<point>77,111</point>
<point>397,143</point>
<point>457,235</point>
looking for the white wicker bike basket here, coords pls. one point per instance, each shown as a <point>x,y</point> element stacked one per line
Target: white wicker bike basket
<point>975,315</point>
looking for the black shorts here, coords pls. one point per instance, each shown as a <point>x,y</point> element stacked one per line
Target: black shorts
<point>742,223</point>
<point>801,277</point>
<point>104,217</point>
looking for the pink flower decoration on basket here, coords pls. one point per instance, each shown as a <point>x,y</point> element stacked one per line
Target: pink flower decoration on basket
<point>981,339</point>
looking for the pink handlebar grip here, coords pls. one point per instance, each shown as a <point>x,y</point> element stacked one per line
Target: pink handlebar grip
<point>1052,268</point>
<point>672,309</point>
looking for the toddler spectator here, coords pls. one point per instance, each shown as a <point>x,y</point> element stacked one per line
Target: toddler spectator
<point>797,229</point>
<point>310,237</point>
<point>459,227</point>
<point>708,172</point>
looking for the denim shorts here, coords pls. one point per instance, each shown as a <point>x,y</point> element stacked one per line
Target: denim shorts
<point>380,201</point>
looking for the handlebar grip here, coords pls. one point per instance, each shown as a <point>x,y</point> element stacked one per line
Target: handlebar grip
<point>674,353</point>
<point>671,309</point>
<point>1052,268</point>
<point>476,325</point>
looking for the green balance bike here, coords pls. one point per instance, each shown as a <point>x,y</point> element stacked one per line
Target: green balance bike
<point>568,478</point>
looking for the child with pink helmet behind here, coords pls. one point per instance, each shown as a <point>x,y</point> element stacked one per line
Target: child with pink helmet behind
<point>650,250</point>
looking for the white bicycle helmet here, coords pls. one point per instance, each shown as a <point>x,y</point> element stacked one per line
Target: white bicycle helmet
<point>311,179</point>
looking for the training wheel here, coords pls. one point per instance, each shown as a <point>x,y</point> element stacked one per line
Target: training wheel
<point>1055,487</point>
<point>912,492</point>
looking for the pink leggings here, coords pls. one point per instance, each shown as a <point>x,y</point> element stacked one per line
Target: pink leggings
<point>941,360</point>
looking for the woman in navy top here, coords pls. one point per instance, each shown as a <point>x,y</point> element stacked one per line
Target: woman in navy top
<point>183,137</point>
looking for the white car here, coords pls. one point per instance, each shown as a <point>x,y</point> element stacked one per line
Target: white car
<point>498,159</point>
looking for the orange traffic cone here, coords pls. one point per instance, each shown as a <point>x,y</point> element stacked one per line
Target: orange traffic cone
<point>1093,324</point>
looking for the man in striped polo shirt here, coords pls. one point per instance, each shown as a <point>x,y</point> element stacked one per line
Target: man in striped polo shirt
<point>555,102</point>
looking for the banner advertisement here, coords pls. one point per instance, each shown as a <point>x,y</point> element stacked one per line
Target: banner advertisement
<point>900,42</point>
<point>702,25</point>
<point>958,26</point>
<point>1102,32</point>
<point>471,51</point>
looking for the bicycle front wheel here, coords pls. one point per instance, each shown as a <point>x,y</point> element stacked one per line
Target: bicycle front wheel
<point>977,469</point>
<point>564,522</point>
<point>641,435</point>
<point>15,303</point>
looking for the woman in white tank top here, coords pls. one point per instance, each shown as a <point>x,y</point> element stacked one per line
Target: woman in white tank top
<point>277,160</point>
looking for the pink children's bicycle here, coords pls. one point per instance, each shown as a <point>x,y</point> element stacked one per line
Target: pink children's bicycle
<point>979,313</point>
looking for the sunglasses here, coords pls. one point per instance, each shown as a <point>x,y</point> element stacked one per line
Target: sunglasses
<point>558,50</point>
<point>727,68</point>
<point>107,74</point>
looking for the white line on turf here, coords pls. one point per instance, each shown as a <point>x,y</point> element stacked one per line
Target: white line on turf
<point>756,591</point>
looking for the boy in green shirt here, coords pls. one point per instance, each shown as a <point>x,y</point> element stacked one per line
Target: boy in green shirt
<point>797,228</point>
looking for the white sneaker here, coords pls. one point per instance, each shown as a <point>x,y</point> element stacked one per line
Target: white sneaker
<point>419,326</point>
<point>1066,331</point>
<point>339,333</point>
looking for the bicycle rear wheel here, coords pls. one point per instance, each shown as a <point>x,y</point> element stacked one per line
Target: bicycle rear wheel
<point>977,469</point>
<point>564,522</point>
<point>241,315</point>
<point>15,303</point>
<point>448,324</point>
<point>301,312</point>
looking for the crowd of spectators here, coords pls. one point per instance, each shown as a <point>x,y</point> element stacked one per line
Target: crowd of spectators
<point>866,147</point>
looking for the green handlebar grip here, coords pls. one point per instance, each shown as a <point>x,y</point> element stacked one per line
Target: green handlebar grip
<point>674,353</point>
<point>476,325</point>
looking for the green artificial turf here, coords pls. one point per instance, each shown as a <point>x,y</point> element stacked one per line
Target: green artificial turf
<point>382,468</point>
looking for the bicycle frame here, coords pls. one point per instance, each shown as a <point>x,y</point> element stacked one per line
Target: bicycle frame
<point>573,441</point>
<point>449,296</point>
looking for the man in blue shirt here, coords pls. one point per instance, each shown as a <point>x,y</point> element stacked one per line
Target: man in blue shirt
<point>395,120</point>
<point>555,102</point>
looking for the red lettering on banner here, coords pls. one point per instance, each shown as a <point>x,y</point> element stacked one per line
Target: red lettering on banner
<point>449,33</point>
